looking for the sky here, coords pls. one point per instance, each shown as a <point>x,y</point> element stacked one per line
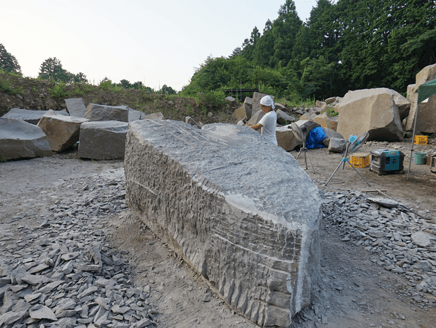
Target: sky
<point>155,42</point>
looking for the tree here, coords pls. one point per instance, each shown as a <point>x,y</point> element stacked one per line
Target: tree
<point>52,68</point>
<point>125,84</point>
<point>80,77</point>
<point>168,89</point>
<point>8,63</point>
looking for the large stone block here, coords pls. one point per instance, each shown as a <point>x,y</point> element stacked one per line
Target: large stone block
<point>243,112</point>
<point>62,131</point>
<point>330,134</point>
<point>19,139</point>
<point>135,115</point>
<point>76,107</point>
<point>426,109</point>
<point>370,110</point>
<point>286,139</point>
<point>29,115</point>
<point>103,140</point>
<point>95,112</point>
<point>253,236</point>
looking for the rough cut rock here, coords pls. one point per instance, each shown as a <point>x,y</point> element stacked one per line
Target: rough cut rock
<point>135,115</point>
<point>282,117</point>
<point>330,134</point>
<point>330,100</point>
<point>427,109</point>
<point>327,122</point>
<point>230,99</point>
<point>337,145</point>
<point>286,139</point>
<point>103,140</point>
<point>370,110</point>
<point>243,112</point>
<point>154,116</point>
<point>62,131</point>
<point>257,249</point>
<point>248,101</point>
<point>29,115</point>
<point>95,112</point>
<point>402,103</point>
<point>19,139</point>
<point>76,107</point>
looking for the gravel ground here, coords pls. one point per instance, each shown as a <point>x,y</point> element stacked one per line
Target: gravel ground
<point>65,221</point>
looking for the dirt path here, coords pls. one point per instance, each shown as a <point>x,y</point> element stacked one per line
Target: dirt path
<point>354,291</point>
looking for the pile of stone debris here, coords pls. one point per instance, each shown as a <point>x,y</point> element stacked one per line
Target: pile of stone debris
<point>64,273</point>
<point>99,129</point>
<point>399,239</point>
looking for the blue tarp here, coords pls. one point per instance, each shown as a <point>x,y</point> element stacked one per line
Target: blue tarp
<point>315,138</point>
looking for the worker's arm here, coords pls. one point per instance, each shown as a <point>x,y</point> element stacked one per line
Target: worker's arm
<point>257,126</point>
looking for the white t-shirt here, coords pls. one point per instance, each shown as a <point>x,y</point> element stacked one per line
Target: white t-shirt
<point>269,123</point>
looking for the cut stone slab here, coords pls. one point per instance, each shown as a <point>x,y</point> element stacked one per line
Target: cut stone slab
<point>258,250</point>
<point>103,140</point>
<point>286,138</point>
<point>62,131</point>
<point>306,126</point>
<point>248,101</point>
<point>76,107</point>
<point>19,139</point>
<point>402,103</point>
<point>34,279</point>
<point>421,239</point>
<point>242,112</point>
<point>256,117</point>
<point>330,100</point>
<point>230,99</point>
<point>96,112</point>
<point>427,74</point>
<point>154,116</point>
<point>370,110</point>
<point>41,312</point>
<point>29,115</point>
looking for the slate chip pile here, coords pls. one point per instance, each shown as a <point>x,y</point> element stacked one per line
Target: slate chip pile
<point>64,273</point>
<point>396,238</point>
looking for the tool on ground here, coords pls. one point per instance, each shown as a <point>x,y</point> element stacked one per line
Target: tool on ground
<point>349,149</point>
<point>298,133</point>
<point>387,161</point>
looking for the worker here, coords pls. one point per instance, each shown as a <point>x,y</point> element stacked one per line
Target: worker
<point>269,121</point>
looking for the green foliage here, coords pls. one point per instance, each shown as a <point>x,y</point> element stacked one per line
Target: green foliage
<point>331,112</point>
<point>107,85</point>
<point>3,160</point>
<point>58,91</point>
<point>6,87</point>
<point>8,63</point>
<point>344,45</point>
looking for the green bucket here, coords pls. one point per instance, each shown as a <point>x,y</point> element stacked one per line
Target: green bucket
<point>420,158</point>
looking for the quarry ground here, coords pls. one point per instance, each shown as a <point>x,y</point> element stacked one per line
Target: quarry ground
<point>354,292</point>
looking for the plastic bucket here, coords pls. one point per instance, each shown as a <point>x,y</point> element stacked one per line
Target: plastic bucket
<point>420,158</point>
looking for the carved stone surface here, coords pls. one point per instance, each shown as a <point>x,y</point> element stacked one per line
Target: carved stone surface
<point>248,223</point>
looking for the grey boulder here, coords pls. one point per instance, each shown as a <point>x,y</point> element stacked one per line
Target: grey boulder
<point>135,115</point>
<point>330,134</point>
<point>103,140</point>
<point>154,116</point>
<point>96,112</point>
<point>337,145</point>
<point>19,139</point>
<point>62,131</point>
